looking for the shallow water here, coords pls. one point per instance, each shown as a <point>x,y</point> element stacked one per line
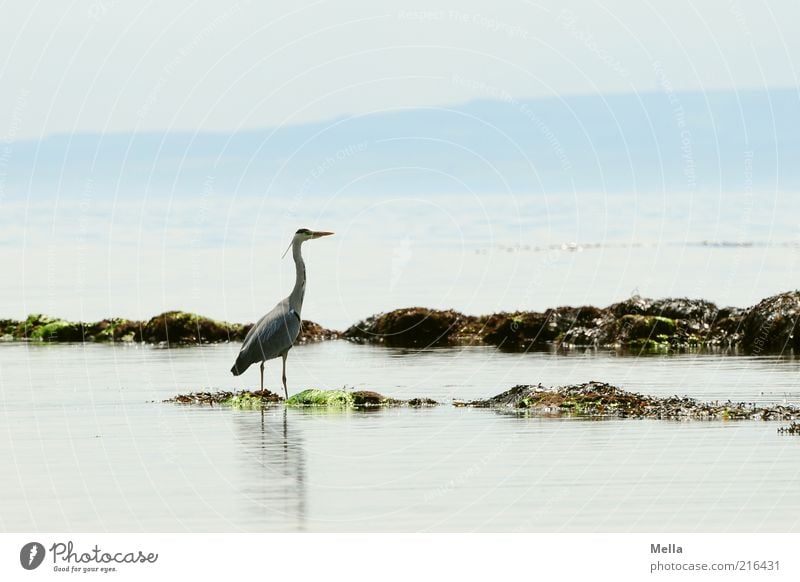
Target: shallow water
<point>89,445</point>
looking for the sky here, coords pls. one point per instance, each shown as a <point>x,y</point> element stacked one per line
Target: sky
<point>112,66</point>
<point>475,155</point>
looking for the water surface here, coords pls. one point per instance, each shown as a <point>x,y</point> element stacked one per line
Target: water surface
<point>89,445</point>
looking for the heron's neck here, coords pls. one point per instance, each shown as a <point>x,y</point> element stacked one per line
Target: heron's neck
<point>296,298</point>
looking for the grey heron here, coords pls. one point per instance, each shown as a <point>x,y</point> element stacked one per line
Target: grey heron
<point>275,333</point>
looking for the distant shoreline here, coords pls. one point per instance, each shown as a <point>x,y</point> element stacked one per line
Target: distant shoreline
<point>771,326</point>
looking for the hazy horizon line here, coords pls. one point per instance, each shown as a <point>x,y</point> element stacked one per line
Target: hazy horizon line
<point>443,107</point>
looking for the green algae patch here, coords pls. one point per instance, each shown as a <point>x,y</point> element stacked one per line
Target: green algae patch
<point>350,399</point>
<point>329,398</point>
<point>241,399</point>
<point>58,330</point>
<point>115,330</point>
<point>38,327</point>
<point>312,398</point>
<point>250,400</point>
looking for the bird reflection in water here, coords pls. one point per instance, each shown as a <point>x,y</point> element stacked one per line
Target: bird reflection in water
<point>273,469</point>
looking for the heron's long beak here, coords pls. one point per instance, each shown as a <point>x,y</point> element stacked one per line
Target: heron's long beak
<point>320,233</point>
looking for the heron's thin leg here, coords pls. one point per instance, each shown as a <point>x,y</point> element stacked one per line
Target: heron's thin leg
<point>262,376</point>
<point>285,389</point>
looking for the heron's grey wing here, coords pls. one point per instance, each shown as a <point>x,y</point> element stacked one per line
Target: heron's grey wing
<point>272,335</point>
<point>253,350</point>
<point>288,330</point>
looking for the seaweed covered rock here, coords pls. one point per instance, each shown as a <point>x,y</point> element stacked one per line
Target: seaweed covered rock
<point>523,329</point>
<point>351,399</point>
<point>180,327</point>
<point>634,305</point>
<point>57,330</point>
<point>684,308</point>
<point>519,330</point>
<point>637,323</point>
<point>314,332</point>
<point>629,330</point>
<point>115,330</point>
<point>726,330</point>
<point>7,329</point>
<point>772,324</point>
<point>242,399</point>
<point>644,331</point>
<point>172,327</point>
<point>645,326</point>
<point>40,327</point>
<point>410,327</point>
<point>672,323</point>
<point>591,399</point>
<point>671,308</point>
<point>582,336</point>
<point>600,399</point>
<point>566,318</point>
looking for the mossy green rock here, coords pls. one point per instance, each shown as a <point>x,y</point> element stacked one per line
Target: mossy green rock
<point>172,327</point>
<point>337,398</point>
<point>519,330</point>
<point>8,327</point>
<point>242,399</point>
<point>773,324</point>
<point>43,328</point>
<point>409,327</point>
<point>247,400</point>
<point>633,327</point>
<point>115,329</point>
<point>180,327</point>
<point>60,331</point>
<point>523,329</point>
<point>313,397</point>
<point>306,398</point>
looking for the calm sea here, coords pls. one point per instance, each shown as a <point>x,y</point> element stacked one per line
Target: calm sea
<point>89,445</point>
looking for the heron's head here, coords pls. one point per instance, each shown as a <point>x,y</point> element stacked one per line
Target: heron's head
<point>304,234</point>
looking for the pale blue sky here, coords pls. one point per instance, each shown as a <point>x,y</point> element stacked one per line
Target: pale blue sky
<point>129,212</point>
<point>107,65</point>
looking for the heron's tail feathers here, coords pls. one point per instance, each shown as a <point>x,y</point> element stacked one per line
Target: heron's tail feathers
<point>239,368</point>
